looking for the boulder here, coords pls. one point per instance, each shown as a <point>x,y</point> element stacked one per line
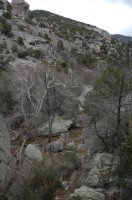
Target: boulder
<point>86,193</point>
<point>33,153</point>
<point>71,145</point>
<point>59,126</point>
<point>65,185</point>
<point>4,151</point>
<point>56,146</point>
<point>85,90</point>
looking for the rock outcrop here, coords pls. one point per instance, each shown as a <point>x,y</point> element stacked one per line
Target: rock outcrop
<point>4,151</point>
<point>20,8</point>
<point>104,166</point>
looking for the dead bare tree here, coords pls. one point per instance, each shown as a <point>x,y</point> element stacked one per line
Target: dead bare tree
<point>40,89</point>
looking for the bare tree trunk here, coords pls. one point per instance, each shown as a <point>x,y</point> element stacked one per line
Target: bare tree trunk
<point>119,108</point>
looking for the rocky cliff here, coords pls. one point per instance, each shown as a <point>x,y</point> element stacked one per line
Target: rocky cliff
<point>20,7</point>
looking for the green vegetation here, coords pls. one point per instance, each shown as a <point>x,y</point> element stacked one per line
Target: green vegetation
<point>42,25</point>
<point>41,183</point>
<point>1,5</point>
<point>5,27</point>
<point>7,13</point>
<point>105,103</point>
<point>72,161</point>
<point>63,27</point>
<point>8,7</point>
<point>14,48</point>
<point>47,37</point>
<point>37,53</point>
<point>20,41</point>
<point>60,45</point>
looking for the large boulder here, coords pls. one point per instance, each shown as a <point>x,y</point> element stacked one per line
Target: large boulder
<point>86,193</point>
<point>20,7</point>
<point>59,126</point>
<point>33,153</point>
<point>4,151</point>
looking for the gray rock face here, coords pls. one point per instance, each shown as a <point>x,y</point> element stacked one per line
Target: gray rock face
<point>33,153</point>
<point>85,193</point>
<point>104,165</point>
<point>85,90</point>
<point>4,151</point>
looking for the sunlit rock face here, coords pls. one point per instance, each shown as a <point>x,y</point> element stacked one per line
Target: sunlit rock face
<point>20,7</point>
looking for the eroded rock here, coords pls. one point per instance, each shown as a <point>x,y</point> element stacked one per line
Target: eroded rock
<point>20,7</point>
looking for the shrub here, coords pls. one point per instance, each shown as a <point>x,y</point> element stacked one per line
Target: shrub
<point>72,160</point>
<point>22,54</point>
<point>14,48</point>
<point>7,15</point>
<point>38,53</point>
<point>2,196</point>
<point>1,4</point>
<point>8,7</point>
<point>42,25</point>
<point>64,63</point>
<point>60,45</point>
<point>5,27</point>
<point>20,41</point>
<point>41,183</point>
<point>46,36</point>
